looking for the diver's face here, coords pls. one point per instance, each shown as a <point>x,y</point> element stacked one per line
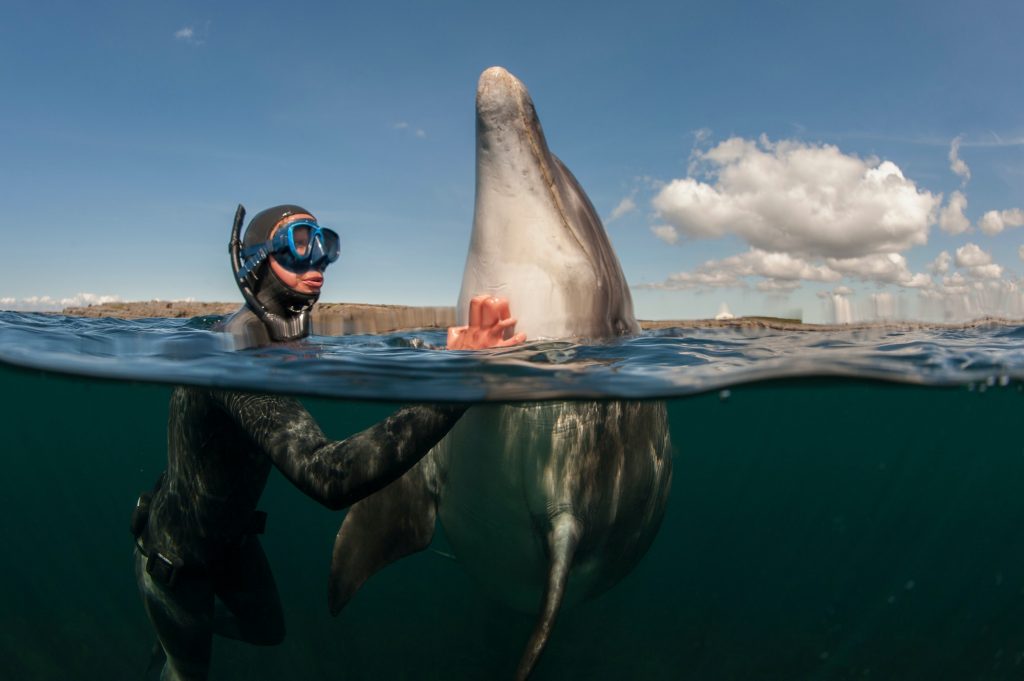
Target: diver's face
<point>310,281</point>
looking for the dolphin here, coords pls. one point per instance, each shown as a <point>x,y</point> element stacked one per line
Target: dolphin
<point>544,503</point>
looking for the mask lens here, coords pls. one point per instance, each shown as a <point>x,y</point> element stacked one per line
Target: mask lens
<point>332,244</point>
<point>301,240</point>
<point>304,246</point>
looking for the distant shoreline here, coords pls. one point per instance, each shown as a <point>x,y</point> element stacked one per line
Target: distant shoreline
<point>346,318</point>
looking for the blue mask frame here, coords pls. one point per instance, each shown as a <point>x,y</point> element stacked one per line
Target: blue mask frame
<point>323,248</point>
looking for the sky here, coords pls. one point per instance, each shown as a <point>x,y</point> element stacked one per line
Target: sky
<point>828,161</point>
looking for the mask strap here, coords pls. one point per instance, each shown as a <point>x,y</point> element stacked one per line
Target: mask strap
<point>278,328</point>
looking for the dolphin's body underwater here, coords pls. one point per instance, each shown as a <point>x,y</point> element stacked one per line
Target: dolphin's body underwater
<point>542,502</point>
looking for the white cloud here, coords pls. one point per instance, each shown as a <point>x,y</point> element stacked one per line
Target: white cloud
<point>991,271</point>
<point>779,266</point>
<point>807,200</point>
<point>941,263</point>
<point>625,206</point>
<point>190,35</point>
<point>977,262</point>
<point>971,255</point>
<point>995,221</point>
<point>888,268</point>
<point>700,279</point>
<point>960,298</point>
<point>779,272</point>
<point>666,233</point>
<point>951,218</point>
<point>50,304</point>
<point>956,164</point>
<point>837,305</point>
<point>883,305</point>
<point>778,285</point>
<point>955,283</point>
<point>81,299</point>
<point>404,125</point>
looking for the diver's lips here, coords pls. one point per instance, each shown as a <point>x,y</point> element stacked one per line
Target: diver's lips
<point>314,282</point>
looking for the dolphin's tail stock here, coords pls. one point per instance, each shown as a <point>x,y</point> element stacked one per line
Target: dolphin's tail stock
<point>562,541</point>
<point>395,522</point>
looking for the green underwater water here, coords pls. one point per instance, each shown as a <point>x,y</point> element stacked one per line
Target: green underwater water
<point>816,529</point>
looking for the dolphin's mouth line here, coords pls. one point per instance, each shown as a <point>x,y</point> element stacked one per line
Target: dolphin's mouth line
<point>546,172</point>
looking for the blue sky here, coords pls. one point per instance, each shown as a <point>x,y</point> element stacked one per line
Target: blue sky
<point>778,157</point>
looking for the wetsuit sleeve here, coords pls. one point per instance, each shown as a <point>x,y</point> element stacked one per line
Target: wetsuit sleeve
<point>339,473</point>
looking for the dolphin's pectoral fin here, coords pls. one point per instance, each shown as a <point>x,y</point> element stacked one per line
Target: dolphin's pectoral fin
<point>562,541</point>
<point>393,523</point>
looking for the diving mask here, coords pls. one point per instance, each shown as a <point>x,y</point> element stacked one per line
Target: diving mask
<point>300,246</point>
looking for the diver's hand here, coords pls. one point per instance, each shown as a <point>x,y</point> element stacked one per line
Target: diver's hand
<point>489,319</point>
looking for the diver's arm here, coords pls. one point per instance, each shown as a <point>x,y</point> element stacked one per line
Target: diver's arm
<point>339,473</point>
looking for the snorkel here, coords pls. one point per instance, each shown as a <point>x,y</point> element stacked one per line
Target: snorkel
<point>280,327</point>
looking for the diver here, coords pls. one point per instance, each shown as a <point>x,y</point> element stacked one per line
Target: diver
<point>199,564</point>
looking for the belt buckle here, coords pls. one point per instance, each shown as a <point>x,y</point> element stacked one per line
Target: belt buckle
<point>163,569</point>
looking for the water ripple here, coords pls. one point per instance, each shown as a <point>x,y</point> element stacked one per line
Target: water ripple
<point>414,367</point>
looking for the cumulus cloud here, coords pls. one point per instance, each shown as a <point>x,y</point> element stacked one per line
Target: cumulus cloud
<point>883,305</point>
<point>941,263</point>
<point>810,212</point>
<point>838,308</point>
<point>626,206</point>
<point>955,283</point>
<point>952,219</point>
<point>959,298</point>
<point>995,221</point>
<point>778,285</point>
<point>807,200</point>
<point>956,164</point>
<point>889,268</point>
<point>50,304</point>
<point>977,262</point>
<point>666,233</point>
<point>189,34</point>
<point>778,271</point>
<point>971,255</point>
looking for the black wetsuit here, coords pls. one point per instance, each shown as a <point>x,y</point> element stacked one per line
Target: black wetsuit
<point>221,446</point>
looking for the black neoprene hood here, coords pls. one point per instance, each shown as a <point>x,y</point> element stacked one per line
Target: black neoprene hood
<point>282,310</point>
<point>263,222</point>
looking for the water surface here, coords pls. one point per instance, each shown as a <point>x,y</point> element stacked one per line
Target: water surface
<point>844,505</point>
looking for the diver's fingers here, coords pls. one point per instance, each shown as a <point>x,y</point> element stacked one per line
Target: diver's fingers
<point>454,336</point>
<point>490,312</point>
<point>507,322</point>
<point>502,305</point>
<point>514,340</point>
<point>476,305</point>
